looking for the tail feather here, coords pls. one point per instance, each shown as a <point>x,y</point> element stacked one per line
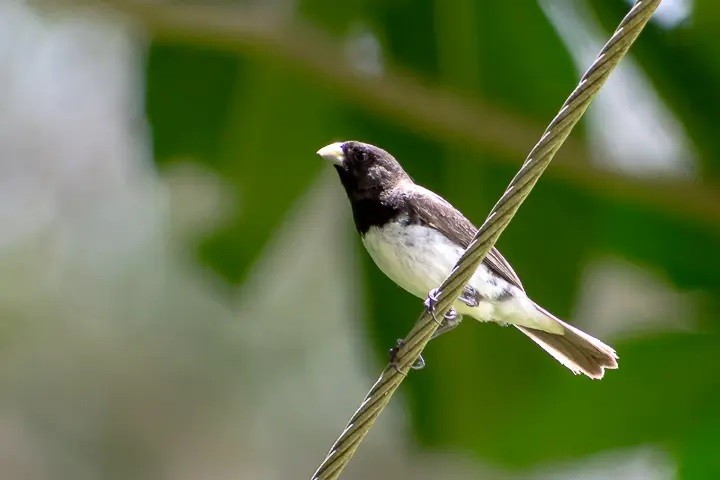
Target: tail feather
<point>575,349</point>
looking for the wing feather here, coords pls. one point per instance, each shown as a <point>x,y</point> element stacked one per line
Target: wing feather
<point>429,208</point>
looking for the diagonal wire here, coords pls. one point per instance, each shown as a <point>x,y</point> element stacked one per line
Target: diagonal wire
<point>537,161</point>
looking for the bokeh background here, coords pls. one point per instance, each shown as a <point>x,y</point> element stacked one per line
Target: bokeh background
<point>183,294</point>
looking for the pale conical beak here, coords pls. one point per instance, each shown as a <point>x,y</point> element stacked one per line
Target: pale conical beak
<point>333,153</point>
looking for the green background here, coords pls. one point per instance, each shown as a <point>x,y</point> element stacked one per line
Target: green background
<point>459,91</point>
<point>486,391</point>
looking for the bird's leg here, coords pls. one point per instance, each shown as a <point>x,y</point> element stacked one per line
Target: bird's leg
<point>447,324</point>
<point>392,353</point>
<point>450,320</point>
<point>430,303</point>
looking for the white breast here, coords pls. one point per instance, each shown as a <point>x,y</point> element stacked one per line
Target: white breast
<point>419,258</point>
<point>415,257</point>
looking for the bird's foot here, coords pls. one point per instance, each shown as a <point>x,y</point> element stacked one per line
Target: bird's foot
<point>392,353</point>
<point>430,303</point>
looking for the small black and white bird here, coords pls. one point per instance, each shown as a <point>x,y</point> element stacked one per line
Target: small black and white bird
<point>415,237</point>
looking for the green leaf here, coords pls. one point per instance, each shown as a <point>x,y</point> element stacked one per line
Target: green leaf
<point>188,93</point>
<point>696,452</point>
<point>254,123</point>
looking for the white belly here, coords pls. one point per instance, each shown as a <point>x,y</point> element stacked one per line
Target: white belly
<point>419,259</point>
<point>415,257</point>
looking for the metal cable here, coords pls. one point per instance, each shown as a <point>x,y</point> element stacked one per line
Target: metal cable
<point>538,159</point>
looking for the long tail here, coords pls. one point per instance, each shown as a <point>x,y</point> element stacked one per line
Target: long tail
<point>574,348</point>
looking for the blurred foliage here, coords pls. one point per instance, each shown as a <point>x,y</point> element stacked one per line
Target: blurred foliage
<point>256,122</point>
<point>682,65</point>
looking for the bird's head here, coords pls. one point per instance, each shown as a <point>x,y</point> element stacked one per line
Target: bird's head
<point>364,169</point>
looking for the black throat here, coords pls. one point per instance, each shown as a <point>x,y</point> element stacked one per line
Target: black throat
<point>370,206</point>
<point>369,212</point>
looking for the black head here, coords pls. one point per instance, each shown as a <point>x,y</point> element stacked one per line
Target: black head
<point>365,170</point>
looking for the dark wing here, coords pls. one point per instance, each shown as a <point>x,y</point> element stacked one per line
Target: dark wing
<point>431,209</point>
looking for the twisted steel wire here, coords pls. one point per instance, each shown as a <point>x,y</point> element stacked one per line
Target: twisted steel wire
<point>519,188</point>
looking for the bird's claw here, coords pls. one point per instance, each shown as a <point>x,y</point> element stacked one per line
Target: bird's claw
<point>451,319</point>
<point>431,300</point>
<point>392,353</point>
<point>430,303</point>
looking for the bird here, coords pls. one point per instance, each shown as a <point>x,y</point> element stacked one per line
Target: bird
<point>415,237</point>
